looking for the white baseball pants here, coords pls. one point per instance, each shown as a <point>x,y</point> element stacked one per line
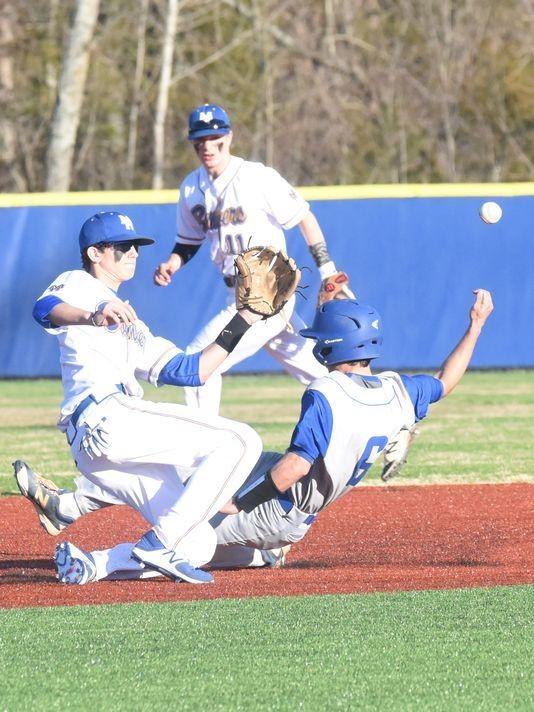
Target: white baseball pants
<point>240,537</point>
<point>152,448</point>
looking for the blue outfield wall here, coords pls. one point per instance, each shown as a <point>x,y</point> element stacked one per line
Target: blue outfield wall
<point>416,259</point>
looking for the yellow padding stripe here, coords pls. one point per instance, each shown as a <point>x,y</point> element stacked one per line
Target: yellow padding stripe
<point>328,192</point>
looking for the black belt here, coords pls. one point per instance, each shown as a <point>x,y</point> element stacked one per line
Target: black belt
<point>229,280</point>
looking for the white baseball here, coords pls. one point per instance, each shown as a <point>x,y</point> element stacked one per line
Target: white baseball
<point>490,212</point>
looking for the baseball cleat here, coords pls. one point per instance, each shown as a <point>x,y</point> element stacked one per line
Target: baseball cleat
<point>73,565</point>
<point>44,495</point>
<point>275,558</point>
<point>150,551</point>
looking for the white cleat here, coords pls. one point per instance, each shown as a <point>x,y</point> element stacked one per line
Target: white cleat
<point>151,552</point>
<point>73,565</point>
<point>275,558</point>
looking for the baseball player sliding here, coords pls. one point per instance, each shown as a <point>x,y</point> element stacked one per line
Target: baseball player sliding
<point>136,452</point>
<point>347,418</point>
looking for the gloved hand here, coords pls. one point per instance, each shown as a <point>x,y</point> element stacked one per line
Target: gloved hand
<point>95,440</point>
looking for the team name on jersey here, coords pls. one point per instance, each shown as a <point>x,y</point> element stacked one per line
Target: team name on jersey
<point>133,333</point>
<point>212,220</point>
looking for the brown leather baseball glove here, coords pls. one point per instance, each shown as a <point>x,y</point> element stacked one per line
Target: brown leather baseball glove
<point>265,279</point>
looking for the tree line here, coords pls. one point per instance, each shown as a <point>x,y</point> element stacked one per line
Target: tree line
<point>95,95</point>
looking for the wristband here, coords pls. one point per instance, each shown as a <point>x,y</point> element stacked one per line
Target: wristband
<point>185,252</point>
<point>319,252</point>
<point>327,270</point>
<point>231,335</point>
<point>92,318</point>
<point>260,491</point>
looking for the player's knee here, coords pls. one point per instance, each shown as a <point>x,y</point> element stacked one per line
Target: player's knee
<point>253,441</point>
<point>244,440</point>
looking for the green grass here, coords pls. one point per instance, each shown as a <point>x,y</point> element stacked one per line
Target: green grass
<point>431,650</point>
<point>481,433</point>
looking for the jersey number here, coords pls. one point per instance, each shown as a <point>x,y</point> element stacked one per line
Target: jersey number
<point>372,450</point>
<point>234,244</point>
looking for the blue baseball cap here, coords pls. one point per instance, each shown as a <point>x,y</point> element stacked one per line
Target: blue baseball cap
<point>208,120</point>
<point>110,227</point>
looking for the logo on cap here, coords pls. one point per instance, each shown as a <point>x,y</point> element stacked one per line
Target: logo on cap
<point>206,116</point>
<point>125,220</point>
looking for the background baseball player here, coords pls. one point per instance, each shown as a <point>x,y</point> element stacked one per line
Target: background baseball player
<point>234,204</point>
<point>135,451</point>
<point>347,418</point>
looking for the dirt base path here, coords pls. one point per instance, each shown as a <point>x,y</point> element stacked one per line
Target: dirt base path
<point>376,539</point>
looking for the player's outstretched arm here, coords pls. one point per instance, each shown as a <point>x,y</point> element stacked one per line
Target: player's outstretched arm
<point>194,369</point>
<point>214,354</point>
<point>113,312</point>
<point>458,360</point>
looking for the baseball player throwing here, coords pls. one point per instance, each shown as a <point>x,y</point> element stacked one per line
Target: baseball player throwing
<point>137,452</point>
<point>347,418</point>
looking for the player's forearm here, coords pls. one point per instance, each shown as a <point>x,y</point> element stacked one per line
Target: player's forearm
<point>455,365</point>
<point>285,473</point>
<point>312,233</point>
<point>214,354</point>
<point>290,469</point>
<point>175,260</point>
<point>457,362</point>
<point>66,315</point>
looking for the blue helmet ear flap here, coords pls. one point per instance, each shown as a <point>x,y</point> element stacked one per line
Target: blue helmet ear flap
<point>345,330</point>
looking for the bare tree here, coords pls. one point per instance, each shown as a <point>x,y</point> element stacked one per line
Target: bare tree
<point>8,134</point>
<point>70,98</point>
<point>136,94</point>
<point>163,92</point>
<point>326,91</point>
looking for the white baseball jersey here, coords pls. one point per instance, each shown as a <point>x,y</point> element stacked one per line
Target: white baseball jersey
<point>346,422</point>
<point>248,204</point>
<point>98,359</point>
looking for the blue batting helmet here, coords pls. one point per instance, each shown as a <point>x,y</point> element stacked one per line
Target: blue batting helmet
<point>207,120</point>
<point>345,331</point>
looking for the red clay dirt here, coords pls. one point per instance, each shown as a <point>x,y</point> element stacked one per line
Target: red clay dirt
<point>375,539</point>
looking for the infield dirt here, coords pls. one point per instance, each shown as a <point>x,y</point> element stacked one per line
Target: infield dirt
<point>375,539</point>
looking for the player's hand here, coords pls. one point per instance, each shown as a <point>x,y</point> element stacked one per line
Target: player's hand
<point>165,270</point>
<point>482,307</point>
<point>114,312</point>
